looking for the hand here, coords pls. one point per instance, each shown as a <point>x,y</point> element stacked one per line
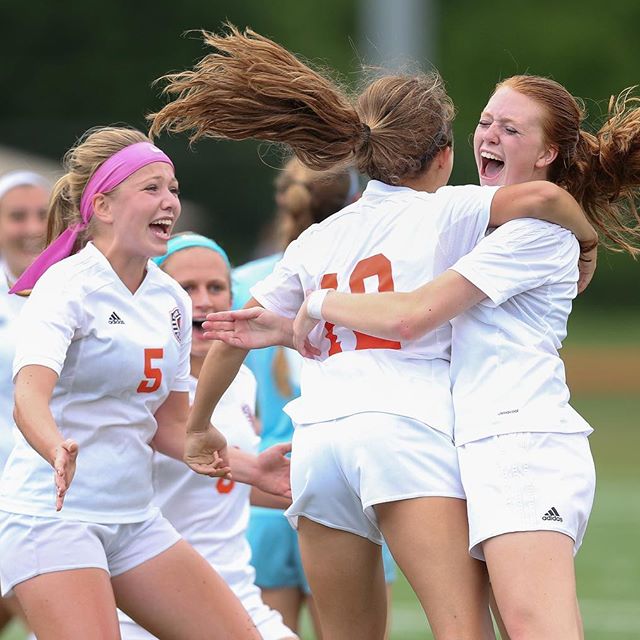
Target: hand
<point>303,325</point>
<point>587,264</point>
<point>206,453</point>
<point>252,328</point>
<point>272,473</point>
<point>64,465</point>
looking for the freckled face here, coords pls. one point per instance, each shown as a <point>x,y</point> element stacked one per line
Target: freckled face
<point>508,143</point>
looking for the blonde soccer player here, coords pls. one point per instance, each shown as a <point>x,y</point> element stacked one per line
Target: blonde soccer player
<point>102,378</point>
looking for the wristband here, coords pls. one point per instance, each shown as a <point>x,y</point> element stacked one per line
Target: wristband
<point>314,303</point>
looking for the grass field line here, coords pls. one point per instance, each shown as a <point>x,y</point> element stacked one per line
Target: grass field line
<point>612,616</point>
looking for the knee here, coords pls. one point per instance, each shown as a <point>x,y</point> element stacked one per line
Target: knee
<point>525,621</point>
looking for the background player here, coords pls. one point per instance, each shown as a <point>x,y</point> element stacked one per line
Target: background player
<point>24,197</point>
<point>212,515</point>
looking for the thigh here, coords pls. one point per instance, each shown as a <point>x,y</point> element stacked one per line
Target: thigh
<point>177,595</point>
<point>347,581</point>
<point>70,605</point>
<point>429,540</point>
<point>533,580</point>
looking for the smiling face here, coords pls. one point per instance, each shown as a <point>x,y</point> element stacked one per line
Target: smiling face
<point>509,144</point>
<point>23,225</point>
<point>204,275</point>
<point>142,210</point>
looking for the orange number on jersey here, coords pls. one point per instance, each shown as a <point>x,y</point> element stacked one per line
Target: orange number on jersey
<point>224,486</point>
<point>153,374</point>
<point>379,266</point>
<point>330,281</point>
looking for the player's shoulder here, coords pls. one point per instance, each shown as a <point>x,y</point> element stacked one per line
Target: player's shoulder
<point>78,275</point>
<point>534,228</point>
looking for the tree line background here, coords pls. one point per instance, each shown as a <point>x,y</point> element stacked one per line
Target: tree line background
<point>68,66</point>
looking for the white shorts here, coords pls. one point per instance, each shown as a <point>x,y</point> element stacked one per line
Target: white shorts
<point>527,482</point>
<point>341,468</point>
<point>32,545</point>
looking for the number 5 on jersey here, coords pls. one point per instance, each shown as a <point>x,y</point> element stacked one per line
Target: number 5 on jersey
<point>153,375</point>
<point>376,266</point>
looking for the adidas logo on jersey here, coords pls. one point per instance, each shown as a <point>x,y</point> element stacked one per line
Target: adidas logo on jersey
<point>114,318</point>
<point>552,514</point>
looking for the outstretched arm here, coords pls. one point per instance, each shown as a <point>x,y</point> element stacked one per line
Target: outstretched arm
<point>393,316</point>
<point>249,328</point>
<point>34,387</point>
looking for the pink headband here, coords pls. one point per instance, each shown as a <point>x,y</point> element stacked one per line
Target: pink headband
<point>107,176</point>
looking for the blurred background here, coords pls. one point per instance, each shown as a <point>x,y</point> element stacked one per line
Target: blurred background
<point>68,66</point>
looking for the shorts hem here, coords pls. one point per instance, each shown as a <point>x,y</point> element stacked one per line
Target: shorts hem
<point>475,547</point>
<point>8,592</point>
<point>375,539</point>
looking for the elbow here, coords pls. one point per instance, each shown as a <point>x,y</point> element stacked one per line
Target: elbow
<point>549,196</point>
<point>408,327</point>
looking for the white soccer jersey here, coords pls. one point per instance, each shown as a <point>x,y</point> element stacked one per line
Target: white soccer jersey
<point>10,306</point>
<point>392,239</point>
<point>211,513</point>
<point>117,355</point>
<point>506,372</point>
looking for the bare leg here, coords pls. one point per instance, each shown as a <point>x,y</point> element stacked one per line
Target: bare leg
<point>347,580</point>
<point>498,618</point>
<point>428,538</point>
<point>70,605</point>
<point>177,595</point>
<point>315,617</point>
<point>533,580</point>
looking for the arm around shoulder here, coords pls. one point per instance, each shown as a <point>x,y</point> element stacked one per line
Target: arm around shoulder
<point>543,200</point>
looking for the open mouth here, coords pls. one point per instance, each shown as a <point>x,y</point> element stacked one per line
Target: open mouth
<point>197,325</point>
<point>490,165</point>
<point>162,228</point>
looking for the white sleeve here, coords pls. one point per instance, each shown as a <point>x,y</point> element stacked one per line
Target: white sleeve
<point>518,256</point>
<point>465,220</point>
<point>47,323</point>
<point>183,372</point>
<point>282,291</point>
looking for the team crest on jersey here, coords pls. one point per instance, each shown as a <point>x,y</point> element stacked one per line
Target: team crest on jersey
<point>176,324</point>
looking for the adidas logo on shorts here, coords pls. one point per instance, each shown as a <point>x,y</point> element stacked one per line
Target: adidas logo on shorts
<point>552,514</point>
<point>114,318</point>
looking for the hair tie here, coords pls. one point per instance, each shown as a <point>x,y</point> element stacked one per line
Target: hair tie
<point>366,134</point>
